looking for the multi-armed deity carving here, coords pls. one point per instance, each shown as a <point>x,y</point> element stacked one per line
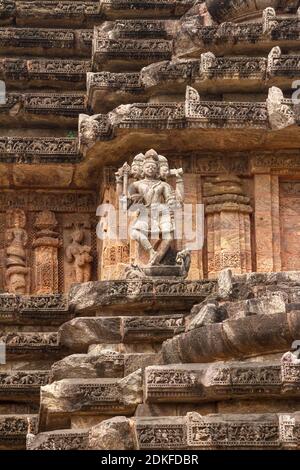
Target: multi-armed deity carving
<point>79,255</point>
<point>16,240</point>
<point>143,189</point>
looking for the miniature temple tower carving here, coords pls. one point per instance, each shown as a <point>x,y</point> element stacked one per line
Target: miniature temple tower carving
<point>227,212</point>
<point>16,275</point>
<point>45,245</point>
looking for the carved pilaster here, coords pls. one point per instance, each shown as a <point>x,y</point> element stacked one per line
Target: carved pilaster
<point>45,245</point>
<point>227,212</point>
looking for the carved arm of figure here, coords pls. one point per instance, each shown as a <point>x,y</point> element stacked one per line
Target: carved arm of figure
<point>119,182</point>
<point>178,173</point>
<point>134,196</point>
<point>170,197</point>
<point>9,236</point>
<point>69,254</point>
<point>24,237</point>
<point>122,176</point>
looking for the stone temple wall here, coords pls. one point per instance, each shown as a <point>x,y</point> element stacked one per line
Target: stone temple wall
<point>106,352</point>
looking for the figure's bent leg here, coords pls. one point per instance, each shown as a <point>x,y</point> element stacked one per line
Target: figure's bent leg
<point>143,240</point>
<point>165,244</point>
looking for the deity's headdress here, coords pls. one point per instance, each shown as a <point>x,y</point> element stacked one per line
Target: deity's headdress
<point>151,155</point>
<point>139,158</point>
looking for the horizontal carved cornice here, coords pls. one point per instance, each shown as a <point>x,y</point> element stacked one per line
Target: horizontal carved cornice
<point>86,13</point>
<point>64,41</point>
<point>38,149</point>
<point>65,104</point>
<point>270,31</point>
<point>62,71</point>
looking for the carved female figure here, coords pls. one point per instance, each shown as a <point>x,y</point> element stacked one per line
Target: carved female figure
<point>79,254</point>
<point>16,240</point>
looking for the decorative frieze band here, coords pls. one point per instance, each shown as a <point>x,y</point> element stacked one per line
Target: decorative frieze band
<point>136,52</point>
<point>65,104</point>
<point>220,431</point>
<point>88,12</point>
<point>38,150</point>
<point>262,34</point>
<point>68,41</point>
<point>68,70</point>
<point>104,88</point>
<point>275,113</point>
<point>219,381</point>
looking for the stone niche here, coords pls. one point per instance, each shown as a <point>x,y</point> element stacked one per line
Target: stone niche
<point>228,207</point>
<point>47,240</point>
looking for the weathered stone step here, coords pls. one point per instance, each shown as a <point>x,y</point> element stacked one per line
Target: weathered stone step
<point>107,364</point>
<point>22,385</point>
<point>209,74</point>
<point>234,338</point>
<point>35,344</point>
<point>140,297</point>
<point>63,400</point>
<point>13,430</point>
<point>79,333</point>
<point>184,383</point>
<point>46,41</point>
<point>36,72</point>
